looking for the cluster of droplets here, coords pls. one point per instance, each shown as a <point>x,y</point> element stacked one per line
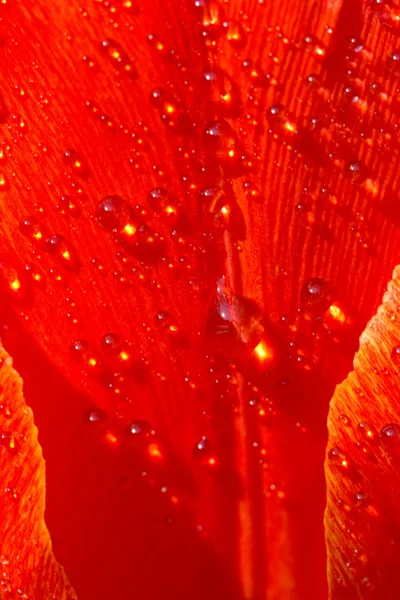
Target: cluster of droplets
<point>359,465</point>
<point>7,589</point>
<point>195,230</point>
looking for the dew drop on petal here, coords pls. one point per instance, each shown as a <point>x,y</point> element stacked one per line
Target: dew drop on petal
<point>390,432</point>
<point>235,324</point>
<point>111,343</point>
<point>316,294</point>
<point>76,162</point>
<point>356,171</point>
<point>95,416</point>
<point>113,213</point>
<point>58,246</point>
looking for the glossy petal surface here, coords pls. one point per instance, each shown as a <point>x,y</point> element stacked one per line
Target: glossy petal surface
<point>198,212</point>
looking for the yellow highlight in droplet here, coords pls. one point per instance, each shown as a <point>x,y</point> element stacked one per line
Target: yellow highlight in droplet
<point>129,229</point>
<point>111,439</point>
<point>290,126</point>
<point>337,313</point>
<point>15,285</point>
<point>225,210</point>
<point>372,187</point>
<point>263,352</point>
<point>154,451</point>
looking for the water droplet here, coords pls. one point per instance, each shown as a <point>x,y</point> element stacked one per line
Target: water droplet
<point>9,441</point>
<point>316,294</point>
<point>33,230</point>
<point>390,432</point>
<point>78,164</point>
<point>393,62</point>
<point>69,206</point>
<point>203,452</point>
<point>222,142</point>
<point>111,344</point>
<point>235,324</point>
<point>95,416</point>
<point>356,171</point>
<point>368,431</point>
<point>82,353</point>
<point>6,411</point>
<point>16,284</point>
<point>221,92</point>
<point>118,57</point>
<point>313,80</point>
<point>340,459</point>
<point>276,114</point>
<point>210,17</point>
<point>228,215</point>
<point>57,246</point>
<point>12,493</point>
<point>139,433</point>
<point>395,355</point>
<point>4,185</point>
<point>235,33</point>
<point>360,498</point>
<point>113,214</point>
<point>164,203</point>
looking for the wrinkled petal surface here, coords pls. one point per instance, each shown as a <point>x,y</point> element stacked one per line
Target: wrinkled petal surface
<point>362,464</point>
<point>198,214</point>
<point>29,569</point>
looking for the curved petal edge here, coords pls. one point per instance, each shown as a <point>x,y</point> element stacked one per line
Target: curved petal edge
<point>29,568</point>
<point>362,518</point>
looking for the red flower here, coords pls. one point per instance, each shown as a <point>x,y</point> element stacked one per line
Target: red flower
<point>198,217</point>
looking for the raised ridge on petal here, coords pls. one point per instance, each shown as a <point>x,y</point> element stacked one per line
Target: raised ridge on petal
<point>362,518</point>
<point>29,568</point>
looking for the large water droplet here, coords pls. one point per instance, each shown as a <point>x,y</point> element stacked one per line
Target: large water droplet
<point>235,324</point>
<point>113,213</point>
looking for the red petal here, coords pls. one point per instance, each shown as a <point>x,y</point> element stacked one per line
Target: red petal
<point>161,297</point>
<point>362,516</point>
<point>29,569</point>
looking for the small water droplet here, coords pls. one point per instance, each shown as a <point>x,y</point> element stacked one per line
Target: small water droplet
<point>118,57</point>
<point>316,294</point>
<point>78,164</point>
<point>390,432</point>
<point>340,459</point>
<point>203,452</point>
<point>113,214</point>
<point>9,441</point>
<point>95,416</point>
<point>57,246</point>
<point>356,171</point>
<point>111,344</point>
